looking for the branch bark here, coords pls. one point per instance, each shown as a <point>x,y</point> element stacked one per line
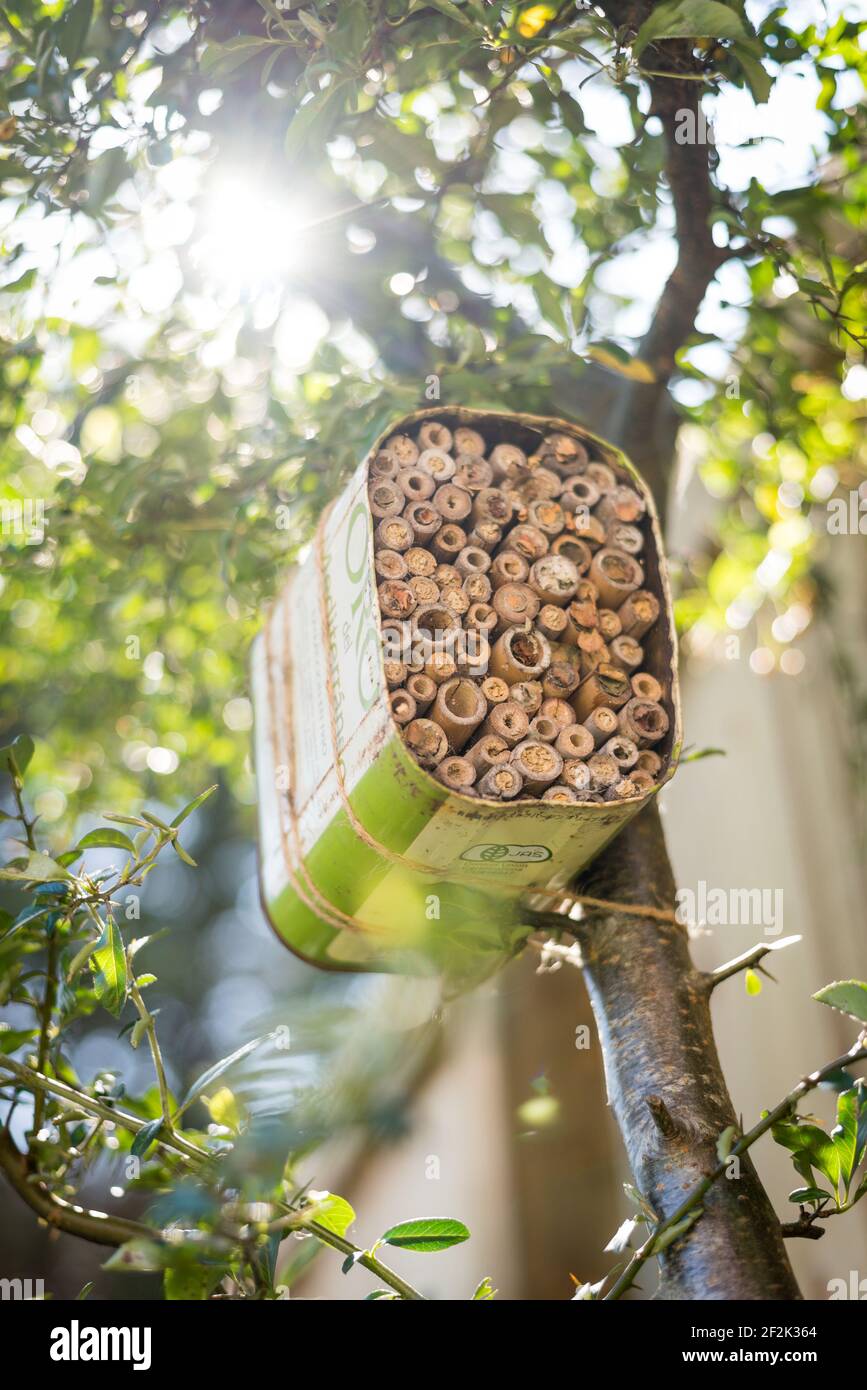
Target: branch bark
<point>665,1083</point>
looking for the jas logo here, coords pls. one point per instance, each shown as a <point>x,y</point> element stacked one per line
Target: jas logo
<point>512,854</point>
<point>77,1343</point>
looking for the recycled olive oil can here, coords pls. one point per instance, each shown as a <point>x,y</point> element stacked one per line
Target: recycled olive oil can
<point>367,862</point>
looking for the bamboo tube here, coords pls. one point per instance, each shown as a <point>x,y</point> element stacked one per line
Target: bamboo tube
<point>601,475</point>
<point>538,763</point>
<point>448,543</point>
<point>642,781</point>
<point>501,783</point>
<point>560,793</point>
<point>440,666</point>
<point>579,494</point>
<point>473,654</point>
<point>403,707</point>
<point>395,674</point>
<point>545,730</point>
<point>456,773</point>
<point>486,535</point>
<point>492,504</point>
<point>626,653</point>
<point>610,625</point>
<point>446,574</point>
<point>646,687</point>
<point>477,588</point>
<point>453,503</point>
<point>528,541</point>
<point>589,529</point>
<point>507,461</point>
<point>542,482</point>
<point>583,611</point>
<point>495,690</point>
<point>551,622</point>
<point>386,498</point>
<point>575,774</point>
<point>472,560</point>
<point>564,453</point>
<point>528,694</point>
<point>643,721</point>
<point>423,690</point>
<point>435,627</point>
<point>593,651</point>
<point>389,564</point>
<point>418,561</point>
<point>415,484</point>
<point>559,710</point>
<point>639,613</point>
<point>473,473</point>
<point>623,537</point>
<point>394,533</point>
<point>519,656</point>
<point>459,708</point>
<point>489,750</point>
<point>454,598</point>
<point>481,617</point>
<point>396,599</point>
<point>575,741</point>
<point>621,791</point>
<point>424,520</point>
<point>515,605</point>
<point>616,575</point>
<point>468,441</point>
<point>602,724</point>
<point>425,590</point>
<point>561,680</point>
<point>548,516</point>
<point>622,503</point>
<point>403,449</point>
<point>383,466</point>
<point>605,686</point>
<point>554,579</point>
<point>396,639</point>
<point>508,568</point>
<point>438,463</point>
<point>508,721</point>
<point>622,750</point>
<point>604,772</point>
<point>573,549</point>
<point>433,435</point>
<point>649,762</point>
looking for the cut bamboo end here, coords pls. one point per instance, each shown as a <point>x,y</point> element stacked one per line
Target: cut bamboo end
<point>622,750</point>
<point>626,653</point>
<point>543,729</point>
<point>606,686</point>
<point>575,741</point>
<point>519,655</point>
<point>554,579</point>
<point>601,723</point>
<point>489,750</point>
<point>575,774</point>
<point>403,449</point>
<point>423,690</point>
<point>424,521</point>
<point>559,710</point>
<point>616,575</point>
<point>528,694</point>
<point>538,763</point>
<point>643,721</point>
<point>438,463</point>
<point>448,542</point>
<point>425,590</point>
<point>638,613</point>
<point>610,625</point>
<point>508,568</point>
<point>433,435</point>
<point>646,687</point>
<point>495,690</point>
<point>426,741</point>
<point>418,561</point>
<point>648,761</point>
<point>456,773</point>
<point>604,772</point>
<point>403,706</point>
<point>459,709</point>
<point>386,498</point>
<point>508,722</point>
<point>560,794</point>
<point>515,606</point>
<point>389,564</point>
<point>395,673</point>
<point>501,783</point>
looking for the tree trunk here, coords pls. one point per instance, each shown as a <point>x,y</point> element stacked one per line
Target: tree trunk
<point>664,1079</point>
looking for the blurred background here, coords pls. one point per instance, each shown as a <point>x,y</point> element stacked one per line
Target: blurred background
<point>202,321</point>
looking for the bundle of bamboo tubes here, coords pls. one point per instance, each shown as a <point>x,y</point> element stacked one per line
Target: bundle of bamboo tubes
<point>513,606</point>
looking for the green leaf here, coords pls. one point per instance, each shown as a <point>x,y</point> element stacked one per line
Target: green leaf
<point>73,29</point>
<point>849,996</point>
<point>454,12</point>
<point>13,1038</point>
<point>109,839</point>
<point>484,1290</point>
<point>21,748</point>
<point>313,120</point>
<point>220,59</point>
<point>752,983</point>
<point>191,1283</point>
<point>109,962</point>
<point>192,806</point>
<point>725,1143</point>
<point>848,1133</point>
<point>138,1256</point>
<point>758,80</point>
<point>700,753</point>
<point>689,19</point>
<point>426,1235</point>
<point>330,1211</point>
<point>811,1145</point>
<point>802,1195</point>
<point>674,1232</point>
<point>182,854</point>
<point>209,1076</point>
<point>146,1136</point>
<point>36,868</point>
